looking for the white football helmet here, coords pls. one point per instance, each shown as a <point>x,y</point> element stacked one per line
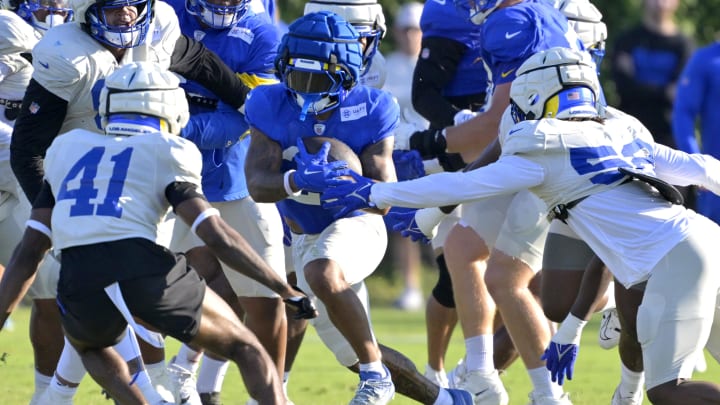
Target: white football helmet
<point>555,83</point>
<point>586,20</point>
<point>139,93</point>
<point>91,14</point>
<point>365,15</point>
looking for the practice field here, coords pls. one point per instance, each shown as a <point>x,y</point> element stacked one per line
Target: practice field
<point>318,379</point>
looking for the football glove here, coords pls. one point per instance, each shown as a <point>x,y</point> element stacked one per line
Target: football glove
<point>303,306</point>
<point>562,352</point>
<point>349,196</point>
<point>430,143</point>
<point>314,173</point>
<point>408,164</point>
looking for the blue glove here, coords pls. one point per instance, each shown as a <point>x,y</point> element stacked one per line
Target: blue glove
<point>408,164</point>
<point>560,360</point>
<point>403,221</point>
<point>349,196</point>
<point>314,173</point>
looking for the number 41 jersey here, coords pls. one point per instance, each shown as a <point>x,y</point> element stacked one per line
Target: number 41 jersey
<point>108,188</point>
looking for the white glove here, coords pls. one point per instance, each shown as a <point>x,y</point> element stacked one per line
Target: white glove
<point>402,133</point>
<point>432,166</point>
<point>463,115</point>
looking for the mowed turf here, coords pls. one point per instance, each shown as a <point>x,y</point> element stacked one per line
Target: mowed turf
<point>318,379</point>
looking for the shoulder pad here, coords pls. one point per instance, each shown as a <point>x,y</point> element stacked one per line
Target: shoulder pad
<point>16,35</point>
<point>531,137</point>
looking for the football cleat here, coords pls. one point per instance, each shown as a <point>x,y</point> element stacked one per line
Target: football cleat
<point>486,388</point>
<point>634,398</point>
<point>460,397</point>
<point>609,332</point>
<point>536,399</point>
<point>438,378</point>
<point>457,374</point>
<point>374,389</point>
<point>183,385</point>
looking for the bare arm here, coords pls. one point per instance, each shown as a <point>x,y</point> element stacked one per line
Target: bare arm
<point>20,271</point>
<point>473,136</point>
<point>378,165</point>
<point>262,169</point>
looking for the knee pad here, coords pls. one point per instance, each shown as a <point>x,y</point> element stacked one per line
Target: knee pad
<point>443,292</point>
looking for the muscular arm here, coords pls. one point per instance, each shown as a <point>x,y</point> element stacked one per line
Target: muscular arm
<point>378,165</point>
<point>32,135</point>
<point>195,62</point>
<point>430,77</point>
<point>262,168</point>
<point>471,137</point>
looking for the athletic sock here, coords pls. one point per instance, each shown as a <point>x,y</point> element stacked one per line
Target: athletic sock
<point>211,375</point>
<point>479,354</point>
<point>630,381</point>
<point>542,383</point>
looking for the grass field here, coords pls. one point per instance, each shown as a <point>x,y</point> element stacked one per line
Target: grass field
<point>318,379</point>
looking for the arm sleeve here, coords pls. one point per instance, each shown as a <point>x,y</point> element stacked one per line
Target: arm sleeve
<point>685,169</point>
<point>507,175</point>
<point>430,77</point>
<point>45,198</point>
<point>195,62</point>
<point>41,117</point>
<point>179,191</point>
<point>688,101</point>
<point>215,130</point>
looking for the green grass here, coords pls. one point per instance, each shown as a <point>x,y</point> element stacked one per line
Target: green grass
<point>318,379</point>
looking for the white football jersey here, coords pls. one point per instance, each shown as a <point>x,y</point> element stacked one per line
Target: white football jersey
<point>16,37</point>
<point>72,65</point>
<point>629,226</point>
<point>109,188</point>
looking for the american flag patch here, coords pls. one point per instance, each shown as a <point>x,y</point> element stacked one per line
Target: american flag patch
<point>573,95</point>
<point>34,108</point>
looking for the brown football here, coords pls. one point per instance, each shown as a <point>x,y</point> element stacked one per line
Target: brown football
<point>339,150</point>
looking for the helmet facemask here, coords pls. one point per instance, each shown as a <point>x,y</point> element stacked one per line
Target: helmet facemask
<point>316,86</point>
<point>218,16</point>
<point>55,12</point>
<point>128,35</point>
<point>477,10</point>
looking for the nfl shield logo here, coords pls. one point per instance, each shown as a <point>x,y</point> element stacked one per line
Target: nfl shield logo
<point>34,108</point>
<point>319,129</point>
<point>199,35</point>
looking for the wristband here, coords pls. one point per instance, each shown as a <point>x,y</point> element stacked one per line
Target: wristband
<point>286,184</point>
<point>570,330</point>
<point>40,227</point>
<point>203,216</point>
<point>427,220</point>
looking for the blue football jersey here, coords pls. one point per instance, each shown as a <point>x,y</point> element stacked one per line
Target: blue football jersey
<point>365,116</point>
<point>511,35</point>
<point>441,18</point>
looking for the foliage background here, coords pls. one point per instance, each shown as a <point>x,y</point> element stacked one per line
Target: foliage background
<point>697,18</point>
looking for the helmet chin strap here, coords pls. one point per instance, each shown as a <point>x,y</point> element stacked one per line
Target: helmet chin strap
<point>317,102</point>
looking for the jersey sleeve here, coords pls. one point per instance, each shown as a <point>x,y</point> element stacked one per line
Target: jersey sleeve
<point>16,36</point>
<point>183,161</point>
<point>386,112</point>
<point>57,74</point>
<point>257,113</point>
<point>506,43</point>
<point>261,57</point>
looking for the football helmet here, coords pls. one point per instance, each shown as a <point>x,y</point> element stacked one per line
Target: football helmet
<point>53,12</point>
<point>142,97</point>
<point>586,20</point>
<point>365,15</point>
<point>94,17</point>
<point>220,14</point>
<point>555,83</point>
<point>478,10</point>
<point>319,60</point>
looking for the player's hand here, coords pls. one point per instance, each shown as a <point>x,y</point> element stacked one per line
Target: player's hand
<point>430,142</point>
<point>560,355</point>
<point>463,115</point>
<point>314,173</point>
<point>560,360</point>
<point>302,305</point>
<point>348,197</point>
<point>403,221</point>
<point>402,134</point>
<point>408,164</point>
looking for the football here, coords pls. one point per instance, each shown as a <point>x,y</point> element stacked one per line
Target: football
<point>338,151</point>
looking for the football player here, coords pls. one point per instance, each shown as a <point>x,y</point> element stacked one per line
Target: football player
<point>319,62</point>
<point>70,64</point>
<point>45,14</point>
<point>246,42</point>
<point>608,180</point>
<point>112,268</point>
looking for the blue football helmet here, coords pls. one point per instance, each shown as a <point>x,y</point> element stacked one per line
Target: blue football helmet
<point>53,12</point>
<point>478,10</point>
<point>218,16</point>
<point>319,60</point>
<point>365,15</point>
<point>93,15</point>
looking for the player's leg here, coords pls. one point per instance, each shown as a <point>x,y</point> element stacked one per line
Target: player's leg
<point>675,318</point>
<point>467,250</point>
<point>632,376</point>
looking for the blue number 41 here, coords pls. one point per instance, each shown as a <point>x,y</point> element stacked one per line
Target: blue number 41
<point>88,166</point>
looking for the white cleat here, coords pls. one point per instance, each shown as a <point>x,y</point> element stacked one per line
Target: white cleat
<point>457,374</point>
<point>609,332</point>
<point>634,398</point>
<point>700,363</point>
<point>535,399</point>
<point>486,389</point>
<point>183,385</point>
<point>438,378</point>
<point>372,390</point>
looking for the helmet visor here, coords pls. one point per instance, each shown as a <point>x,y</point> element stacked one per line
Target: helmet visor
<point>312,77</point>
